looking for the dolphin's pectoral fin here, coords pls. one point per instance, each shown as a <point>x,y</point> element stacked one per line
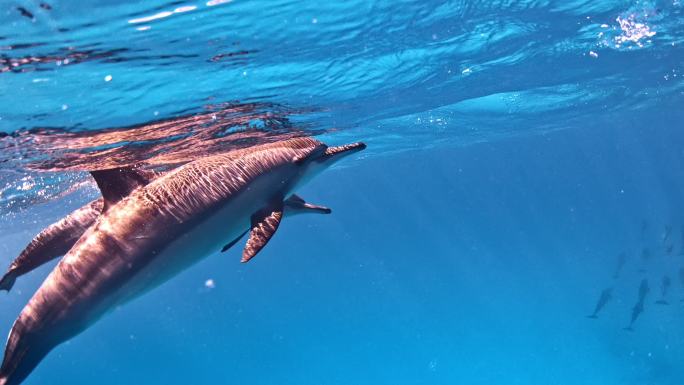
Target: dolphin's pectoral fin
<point>296,204</point>
<point>264,225</point>
<point>233,242</point>
<point>117,183</point>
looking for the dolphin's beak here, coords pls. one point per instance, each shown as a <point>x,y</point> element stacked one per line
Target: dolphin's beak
<point>333,154</point>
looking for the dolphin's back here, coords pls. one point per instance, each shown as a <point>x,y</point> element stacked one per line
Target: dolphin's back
<point>199,185</point>
<point>126,238</point>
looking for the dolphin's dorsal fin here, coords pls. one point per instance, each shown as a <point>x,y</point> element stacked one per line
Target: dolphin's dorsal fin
<point>264,224</point>
<point>117,183</point>
<point>295,204</point>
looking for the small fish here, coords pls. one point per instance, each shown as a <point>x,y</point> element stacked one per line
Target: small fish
<point>664,287</point>
<point>606,295</point>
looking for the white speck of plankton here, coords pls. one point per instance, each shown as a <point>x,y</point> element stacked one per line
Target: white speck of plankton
<point>593,54</point>
<point>209,283</point>
<point>64,107</point>
<point>466,71</point>
<point>314,21</point>
<point>108,78</point>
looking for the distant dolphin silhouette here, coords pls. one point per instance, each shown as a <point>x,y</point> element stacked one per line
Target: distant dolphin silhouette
<point>669,248</point>
<point>664,287</point>
<point>644,229</point>
<point>668,231</point>
<point>606,295</point>
<point>636,311</point>
<point>644,289</point>
<point>621,260</point>
<point>645,257</point>
<point>149,232</point>
<point>681,278</point>
<point>639,307</point>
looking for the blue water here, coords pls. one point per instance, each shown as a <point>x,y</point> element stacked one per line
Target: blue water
<point>516,148</point>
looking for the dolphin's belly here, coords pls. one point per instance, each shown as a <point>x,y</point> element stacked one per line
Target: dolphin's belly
<point>204,239</point>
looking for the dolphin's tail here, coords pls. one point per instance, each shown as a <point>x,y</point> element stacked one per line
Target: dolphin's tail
<point>23,352</point>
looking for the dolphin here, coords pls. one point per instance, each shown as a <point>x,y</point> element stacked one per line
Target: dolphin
<point>645,257</point>
<point>666,235</point>
<point>622,259</point>
<point>681,278</point>
<point>643,289</point>
<point>58,238</point>
<point>664,288</point>
<point>636,311</point>
<point>639,307</point>
<point>150,231</point>
<point>605,296</point>
<point>644,229</point>
<point>54,241</point>
<point>669,248</point>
